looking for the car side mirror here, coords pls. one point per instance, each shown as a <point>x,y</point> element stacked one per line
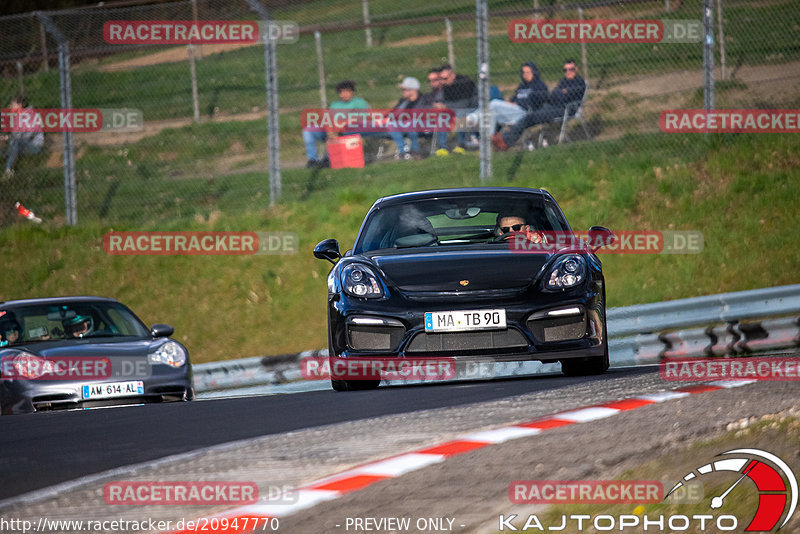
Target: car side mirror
<point>600,236</point>
<point>161,330</point>
<point>328,250</point>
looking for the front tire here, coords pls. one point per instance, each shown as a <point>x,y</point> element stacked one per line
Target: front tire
<point>354,385</point>
<point>592,365</point>
<point>349,385</point>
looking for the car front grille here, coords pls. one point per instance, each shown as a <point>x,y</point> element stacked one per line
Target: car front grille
<point>465,341</point>
<point>548,330</point>
<point>377,338</point>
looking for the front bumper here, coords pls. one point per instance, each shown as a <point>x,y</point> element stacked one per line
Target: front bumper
<point>394,327</point>
<point>27,396</point>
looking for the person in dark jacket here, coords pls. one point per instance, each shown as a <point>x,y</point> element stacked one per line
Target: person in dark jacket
<point>529,96</point>
<point>570,89</point>
<point>461,95</point>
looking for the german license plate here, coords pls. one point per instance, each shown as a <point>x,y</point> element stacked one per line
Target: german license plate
<point>110,390</point>
<point>465,320</point>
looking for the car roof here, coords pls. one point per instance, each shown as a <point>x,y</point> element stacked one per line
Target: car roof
<point>54,301</point>
<point>439,193</point>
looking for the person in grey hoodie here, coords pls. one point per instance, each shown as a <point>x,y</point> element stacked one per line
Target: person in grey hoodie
<point>529,96</point>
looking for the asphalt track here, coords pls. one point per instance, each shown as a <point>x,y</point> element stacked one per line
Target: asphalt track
<point>39,450</point>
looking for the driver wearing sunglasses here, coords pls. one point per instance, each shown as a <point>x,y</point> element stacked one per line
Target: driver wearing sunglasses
<point>508,225</point>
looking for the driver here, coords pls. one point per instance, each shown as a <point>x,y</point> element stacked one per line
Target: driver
<point>78,326</point>
<point>507,225</point>
<point>10,334</point>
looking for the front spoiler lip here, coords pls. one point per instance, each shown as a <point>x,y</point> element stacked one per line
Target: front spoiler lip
<point>19,396</point>
<point>517,356</point>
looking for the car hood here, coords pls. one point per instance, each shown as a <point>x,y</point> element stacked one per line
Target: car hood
<point>460,270</point>
<point>96,347</point>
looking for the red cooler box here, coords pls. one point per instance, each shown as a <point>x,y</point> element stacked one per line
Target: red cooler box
<point>346,151</point>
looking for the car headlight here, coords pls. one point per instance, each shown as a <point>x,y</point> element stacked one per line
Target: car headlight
<point>358,280</point>
<point>21,365</point>
<point>568,271</point>
<point>170,353</point>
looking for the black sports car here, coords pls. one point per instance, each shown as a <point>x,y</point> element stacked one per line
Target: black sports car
<point>447,273</point>
<point>81,352</point>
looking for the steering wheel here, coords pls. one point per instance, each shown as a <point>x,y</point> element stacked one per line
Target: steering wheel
<point>502,237</point>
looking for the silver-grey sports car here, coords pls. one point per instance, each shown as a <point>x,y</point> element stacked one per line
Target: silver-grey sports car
<point>83,352</point>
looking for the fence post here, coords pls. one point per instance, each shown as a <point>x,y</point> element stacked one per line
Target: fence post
<point>194,18</point>
<point>536,14</point>
<point>584,59</point>
<point>273,112</point>
<point>65,82</point>
<point>193,76</point>
<point>367,30</point>
<point>482,31</point>
<point>43,37</point>
<point>451,55</point>
<point>721,40</point>
<point>20,78</point>
<point>708,55</point>
<point>323,96</point>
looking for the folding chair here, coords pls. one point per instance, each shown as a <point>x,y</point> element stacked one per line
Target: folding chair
<point>573,110</point>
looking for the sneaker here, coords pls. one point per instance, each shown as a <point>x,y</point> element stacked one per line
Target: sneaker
<point>459,150</point>
<point>402,155</point>
<point>8,174</point>
<point>312,164</point>
<point>544,142</point>
<point>498,143</point>
<point>28,214</point>
<point>442,152</point>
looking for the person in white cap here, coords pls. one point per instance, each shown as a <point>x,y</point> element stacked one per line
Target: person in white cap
<point>410,99</point>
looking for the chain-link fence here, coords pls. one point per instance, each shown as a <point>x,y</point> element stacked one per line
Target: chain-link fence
<point>202,144</point>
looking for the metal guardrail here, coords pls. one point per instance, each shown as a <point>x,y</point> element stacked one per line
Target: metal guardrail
<point>710,309</point>
<point>711,325</point>
<point>727,324</point>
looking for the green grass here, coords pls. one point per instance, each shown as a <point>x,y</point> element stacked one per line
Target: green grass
<point>740,191</point>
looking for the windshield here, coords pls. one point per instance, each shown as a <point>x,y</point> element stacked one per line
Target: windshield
<point>26,324</point>
<point>465,220</point>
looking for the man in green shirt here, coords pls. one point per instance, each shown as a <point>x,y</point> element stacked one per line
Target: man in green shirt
<point>347,100</point>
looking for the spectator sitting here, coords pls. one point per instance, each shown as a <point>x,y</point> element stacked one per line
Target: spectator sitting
<point>24,140</point>
<point>461,95</point>
<point>437,94</point>
<point>410,99</point>
<point>529,96</point>
<point>347,100</point>
<point>570,89</point>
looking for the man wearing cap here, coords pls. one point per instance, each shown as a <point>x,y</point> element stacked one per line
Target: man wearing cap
<point>410,99</point>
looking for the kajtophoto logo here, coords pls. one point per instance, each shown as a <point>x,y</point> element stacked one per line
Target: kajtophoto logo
<point>772,480</point>
<point>771,476</point>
